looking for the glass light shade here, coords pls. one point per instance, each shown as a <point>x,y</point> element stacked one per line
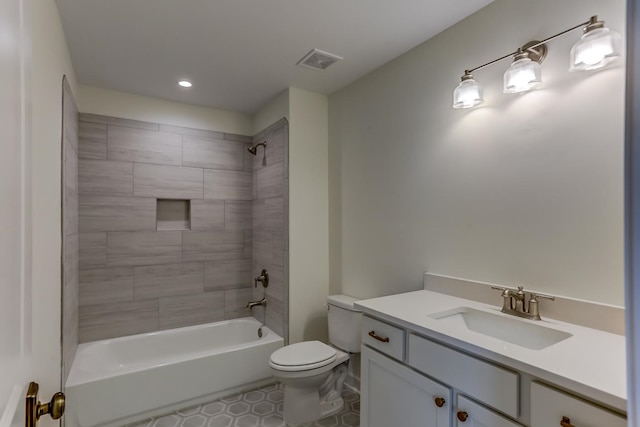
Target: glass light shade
<point>523,75</point>
<point>595,49</point>
<point>467,94</point>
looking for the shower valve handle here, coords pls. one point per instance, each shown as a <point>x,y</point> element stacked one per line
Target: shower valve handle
<point>263,278</point>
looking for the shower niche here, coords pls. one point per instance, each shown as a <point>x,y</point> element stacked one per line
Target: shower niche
<point>173,214</point>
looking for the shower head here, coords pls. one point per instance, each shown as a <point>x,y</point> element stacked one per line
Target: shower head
<point>254,148</point>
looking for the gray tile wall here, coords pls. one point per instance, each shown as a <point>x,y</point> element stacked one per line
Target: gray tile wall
<point>134,278</point>
<point>270,225</point>
<point>70,237</point>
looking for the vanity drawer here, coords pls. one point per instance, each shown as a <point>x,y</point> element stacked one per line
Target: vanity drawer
<point>495,386</point>
<point>549,406</point>
<point>383,337</point>
<point>468,412</point>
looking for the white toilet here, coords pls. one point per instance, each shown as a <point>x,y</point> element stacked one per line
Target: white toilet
<point>312,372</point>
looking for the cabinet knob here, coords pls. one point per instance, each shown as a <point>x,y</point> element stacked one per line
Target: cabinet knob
<point>566,422</point>
<point>440,402</point>
<point>462,416</point>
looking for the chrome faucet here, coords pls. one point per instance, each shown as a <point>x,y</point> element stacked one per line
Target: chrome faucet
<point>514,302</point>
<point>262,302</point>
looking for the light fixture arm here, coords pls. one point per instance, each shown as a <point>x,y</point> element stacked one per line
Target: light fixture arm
<point>593,20</point>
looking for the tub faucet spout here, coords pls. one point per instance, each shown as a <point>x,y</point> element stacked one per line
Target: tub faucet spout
<point>262,302</point>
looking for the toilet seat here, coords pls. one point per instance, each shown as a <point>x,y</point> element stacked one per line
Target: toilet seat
<point>303,356</point>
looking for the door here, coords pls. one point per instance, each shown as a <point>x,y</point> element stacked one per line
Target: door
<point>17,363</point>
<point>394,395</point>
<point>15,332</point>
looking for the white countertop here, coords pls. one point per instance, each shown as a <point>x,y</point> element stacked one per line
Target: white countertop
<point>591,363</point>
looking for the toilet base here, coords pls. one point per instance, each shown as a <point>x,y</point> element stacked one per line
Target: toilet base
<point>332,405</point>
<point>309,408</point>
<point>304,405</point>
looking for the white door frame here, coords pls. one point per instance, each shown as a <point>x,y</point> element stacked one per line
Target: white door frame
<point>15,212</point>
<point>632,211</point>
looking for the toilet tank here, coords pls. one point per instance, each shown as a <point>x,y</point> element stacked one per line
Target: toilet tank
<point>344,323</point>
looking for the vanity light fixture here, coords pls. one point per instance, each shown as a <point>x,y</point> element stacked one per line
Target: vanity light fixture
<point>598,47</point>
<point>524,74</point>
<point>468,93</point>
<point>185,83</point>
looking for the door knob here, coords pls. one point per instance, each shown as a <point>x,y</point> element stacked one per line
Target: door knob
<point>35,409</point>
<point>566,422</point>
<point>462,416</point>
<point>440,402</point>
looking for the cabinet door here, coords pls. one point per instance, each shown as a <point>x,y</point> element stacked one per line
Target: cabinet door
<point>470,414</point>
<point>549,406</point>
<point>394,395</point>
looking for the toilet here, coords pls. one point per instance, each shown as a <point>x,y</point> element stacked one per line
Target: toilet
<point>313,373</point>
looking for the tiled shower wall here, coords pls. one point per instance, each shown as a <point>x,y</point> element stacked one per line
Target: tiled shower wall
<point>134,278</point>
<point>69,229</point>
<point>270,225</point>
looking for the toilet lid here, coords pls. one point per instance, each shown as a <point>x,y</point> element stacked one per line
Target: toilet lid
<point>303,355</point>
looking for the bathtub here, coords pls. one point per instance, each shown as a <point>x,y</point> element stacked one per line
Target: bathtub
<point>122,380</point>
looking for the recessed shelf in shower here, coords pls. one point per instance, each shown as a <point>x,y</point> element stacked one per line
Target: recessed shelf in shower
<point>173,214</point>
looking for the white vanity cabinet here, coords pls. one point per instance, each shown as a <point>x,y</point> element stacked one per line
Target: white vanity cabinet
<point>410,380</point>
<point>394,395</point>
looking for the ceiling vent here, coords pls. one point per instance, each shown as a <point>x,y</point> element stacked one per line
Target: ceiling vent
<point>318,60</point>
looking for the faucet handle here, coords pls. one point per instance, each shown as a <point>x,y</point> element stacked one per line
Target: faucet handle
<point>506,298</point>
<point>506,292</point>
<point>536,296</point>
<point>534,311</point>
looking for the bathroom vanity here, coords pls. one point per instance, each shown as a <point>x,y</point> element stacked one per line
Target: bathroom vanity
<point>435,360</point>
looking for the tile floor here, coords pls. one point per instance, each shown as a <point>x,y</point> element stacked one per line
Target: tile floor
<point>257,408</point>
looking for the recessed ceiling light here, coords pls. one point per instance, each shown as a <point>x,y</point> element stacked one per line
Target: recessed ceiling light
<point>184,83</point>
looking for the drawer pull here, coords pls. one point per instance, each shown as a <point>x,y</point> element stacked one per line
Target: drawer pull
<point>373,334</point>
<point>440,402</point>
<point>566,422</point>
<point>462,416</point>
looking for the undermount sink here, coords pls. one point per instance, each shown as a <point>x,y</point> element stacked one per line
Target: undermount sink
<point>511,330</point>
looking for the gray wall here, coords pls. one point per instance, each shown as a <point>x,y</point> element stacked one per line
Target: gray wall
<point>270,225</point>
<point>69,229</point>
<point>135,279</point>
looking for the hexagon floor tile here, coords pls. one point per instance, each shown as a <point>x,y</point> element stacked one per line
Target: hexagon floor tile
<point>256,408</point>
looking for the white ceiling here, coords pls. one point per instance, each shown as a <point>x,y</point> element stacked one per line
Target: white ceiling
<point>241,53</point>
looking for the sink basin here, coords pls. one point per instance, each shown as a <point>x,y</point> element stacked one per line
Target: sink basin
<point>512,330</point>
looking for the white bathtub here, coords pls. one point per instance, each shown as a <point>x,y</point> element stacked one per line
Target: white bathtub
<point>121,380</point>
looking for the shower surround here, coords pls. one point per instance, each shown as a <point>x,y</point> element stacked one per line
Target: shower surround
<point>271,225</point>
<point>135,278</point>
